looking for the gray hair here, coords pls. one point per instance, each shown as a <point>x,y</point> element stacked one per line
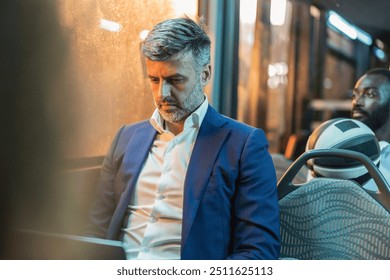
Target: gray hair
<point>174,36</point>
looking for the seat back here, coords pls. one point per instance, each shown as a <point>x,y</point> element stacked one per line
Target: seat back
<point>328,218</point>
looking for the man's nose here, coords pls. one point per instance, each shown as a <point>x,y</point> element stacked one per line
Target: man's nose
<point>359,100</point>
<point>164,89</point>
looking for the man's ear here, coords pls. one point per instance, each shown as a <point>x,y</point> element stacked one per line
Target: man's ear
<point>206,74</point>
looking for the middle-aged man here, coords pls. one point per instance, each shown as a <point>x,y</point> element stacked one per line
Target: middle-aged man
<point>189,183</point>
<point>371,102</point>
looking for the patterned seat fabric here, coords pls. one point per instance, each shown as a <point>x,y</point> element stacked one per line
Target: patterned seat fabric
<point>333,219</point>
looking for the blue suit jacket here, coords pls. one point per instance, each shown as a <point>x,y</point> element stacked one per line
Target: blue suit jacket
<point>230,208</point>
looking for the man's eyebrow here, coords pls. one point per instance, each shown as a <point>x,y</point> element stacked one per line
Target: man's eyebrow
<point>365,88</point>
<point>176,75</point>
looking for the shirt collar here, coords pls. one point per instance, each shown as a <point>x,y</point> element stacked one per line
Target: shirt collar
<point>385,148</point>
<point>195,119</point>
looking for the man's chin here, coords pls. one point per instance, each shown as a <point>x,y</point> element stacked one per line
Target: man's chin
<point>171,117</point>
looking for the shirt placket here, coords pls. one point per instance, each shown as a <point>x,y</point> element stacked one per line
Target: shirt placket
<point>159,208</point>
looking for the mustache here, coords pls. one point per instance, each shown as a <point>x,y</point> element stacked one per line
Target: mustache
<point>166,101</point>
<point>360,110</point>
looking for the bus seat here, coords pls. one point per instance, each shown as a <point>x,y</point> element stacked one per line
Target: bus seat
<point>328,218</point>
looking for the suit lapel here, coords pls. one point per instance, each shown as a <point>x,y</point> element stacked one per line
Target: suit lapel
<point>208,143</point>
<point>135,154</point>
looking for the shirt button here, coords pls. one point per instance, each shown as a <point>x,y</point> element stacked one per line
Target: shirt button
<point>154,219</point>
<point>144,249</point>
<point>160,197</point>
<point>167,168</point>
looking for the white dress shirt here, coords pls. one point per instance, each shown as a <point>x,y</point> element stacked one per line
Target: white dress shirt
<point>155,211</point>
<point>384,166</point>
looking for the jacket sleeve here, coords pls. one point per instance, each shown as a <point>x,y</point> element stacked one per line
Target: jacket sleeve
<point>256,226</point>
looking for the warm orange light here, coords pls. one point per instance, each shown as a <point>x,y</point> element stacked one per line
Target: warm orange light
<point>188,8</point>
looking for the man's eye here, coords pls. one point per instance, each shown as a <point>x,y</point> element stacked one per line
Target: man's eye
<point>154,80</point>
<point>370,93</point>
<point>177,80</point>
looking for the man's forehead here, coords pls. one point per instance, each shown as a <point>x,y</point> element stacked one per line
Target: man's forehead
<point>373,80</point>
<point>182,65</point>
